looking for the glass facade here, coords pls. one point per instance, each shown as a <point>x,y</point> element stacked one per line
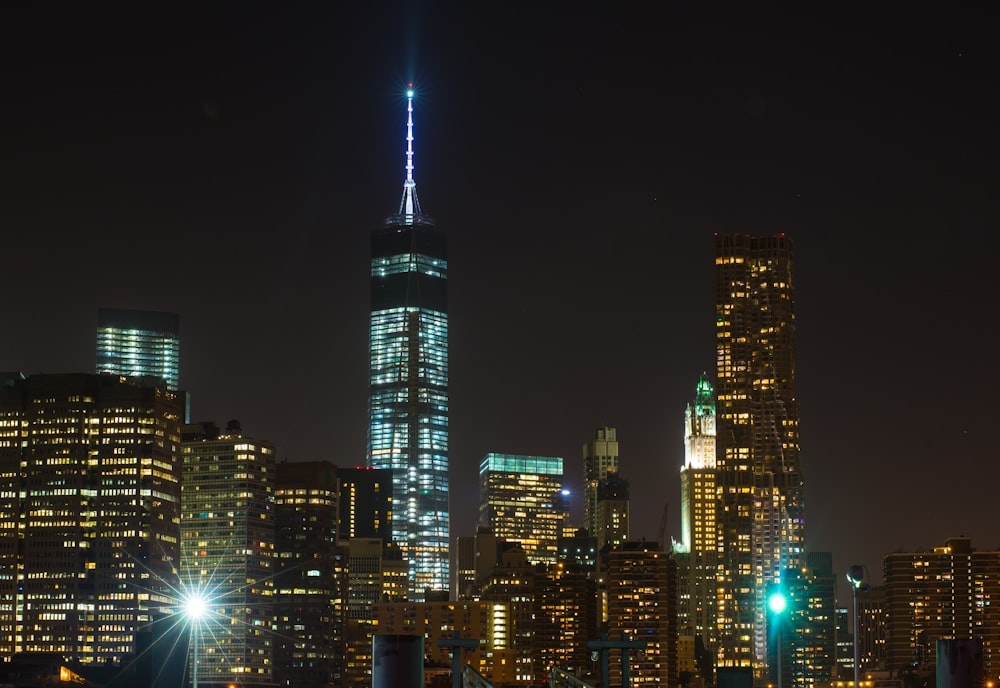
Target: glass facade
<point>135,343</point>
<point>520,499</point>
<point>408,390</point>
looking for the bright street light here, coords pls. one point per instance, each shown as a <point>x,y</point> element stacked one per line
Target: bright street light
<point>777,604</point>
<point>195,609</point>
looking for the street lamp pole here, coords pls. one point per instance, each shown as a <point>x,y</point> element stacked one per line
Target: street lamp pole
<point>855,576</point>
<point>777,604</point>
<point>195,607</point>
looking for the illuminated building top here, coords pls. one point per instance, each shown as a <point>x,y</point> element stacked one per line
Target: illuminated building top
<point>409,207</point>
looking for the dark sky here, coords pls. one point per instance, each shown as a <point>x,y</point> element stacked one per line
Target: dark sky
<point>228,164</point>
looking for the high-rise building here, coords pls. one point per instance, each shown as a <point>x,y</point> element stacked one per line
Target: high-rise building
<point>365,503</point>
<point>136,343</point>
<point>871,628</point>
<point>642,605</point>
<point>947,593</point>
<point>612,512</point>
<point>310,576</point>
<point>475,557</point>
<point>227,550</point>
<point>565,619</point>
<point>408,379</point>
<point>90,510</point>
<point>600,460</point>
<point>808,636</point>
<point>519,499</point>
<point>376,573</point>
<point>761,516</point>
<point>699,534</point>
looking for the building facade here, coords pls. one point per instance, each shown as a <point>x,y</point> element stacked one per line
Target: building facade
<point>227,550</point>
<point>365,503</point>
<point>809,625</point>
<point>699,498</point>
<point>948,593</point>
<point>520,501</point>
<point>642,605</point>
<point>137,343</point>
<point>600,461</point>
<point>310,576</point>
<point>408,380</point>
<point>612,518</point>
<point>90,510</point>
<point>761,515</point>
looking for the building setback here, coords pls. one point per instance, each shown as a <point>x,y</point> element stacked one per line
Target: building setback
<point>761,514</point>
<point>408,380</point>
<point>600,462</point>
<point>699,531</point>
<point>90,507</point>
<point>227,550</point>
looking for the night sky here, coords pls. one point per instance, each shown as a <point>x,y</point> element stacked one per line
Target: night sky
<point>229,163</point>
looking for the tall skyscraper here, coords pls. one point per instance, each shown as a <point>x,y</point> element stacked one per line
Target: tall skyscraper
<point>135,343</point>
<point>519,499</point>
<point>761,517</point>
<point>227,550</point>
<point>600,460</point>
<point>408,379</point>
<point>699,534</point>
<point>90,509</point>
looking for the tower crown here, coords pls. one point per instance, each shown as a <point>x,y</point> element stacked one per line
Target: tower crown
<point>409,207</point>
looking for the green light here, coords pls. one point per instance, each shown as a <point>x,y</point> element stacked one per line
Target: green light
<point>409,94</point>
<point>777,603</point>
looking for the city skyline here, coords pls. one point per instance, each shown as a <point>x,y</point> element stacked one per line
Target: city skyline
<point>581,177</point>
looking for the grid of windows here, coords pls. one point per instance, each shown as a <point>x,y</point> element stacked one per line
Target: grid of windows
<point>408,393</point>
<point>136,343</point>
<point>90,517</point>
<point>227,546</point>
<point>760,483</point>
<point>519,498</point>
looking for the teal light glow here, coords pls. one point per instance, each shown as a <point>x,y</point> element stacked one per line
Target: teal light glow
<point>777,603</point>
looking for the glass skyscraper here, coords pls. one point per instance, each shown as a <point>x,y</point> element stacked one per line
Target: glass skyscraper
<point>135,343</point>
<point>520,500</point>
<point>408,380</point>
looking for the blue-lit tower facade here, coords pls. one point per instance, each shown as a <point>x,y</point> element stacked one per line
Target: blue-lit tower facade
<point>408,379</point>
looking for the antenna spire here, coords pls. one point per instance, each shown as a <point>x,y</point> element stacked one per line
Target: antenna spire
<point>409,207</point>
